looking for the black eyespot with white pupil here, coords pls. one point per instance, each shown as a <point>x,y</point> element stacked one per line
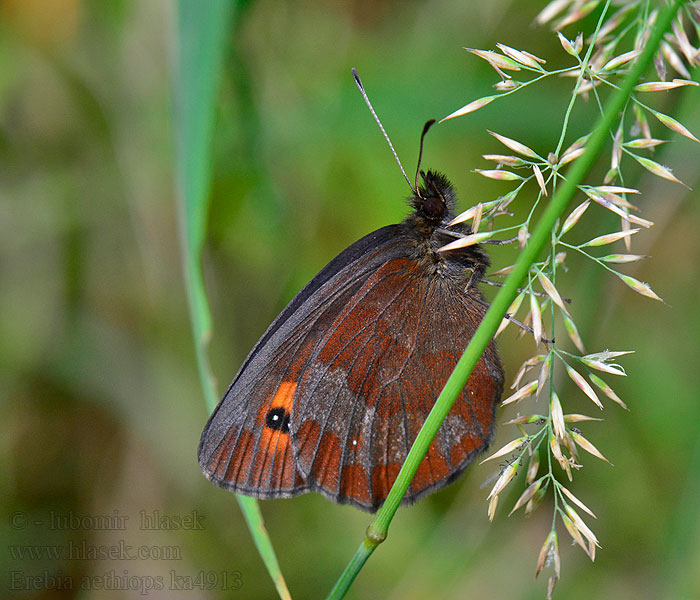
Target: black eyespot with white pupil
<point>433,207</point>
<point>278,420</point>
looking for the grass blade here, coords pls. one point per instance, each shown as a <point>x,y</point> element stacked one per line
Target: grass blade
<point>202,30</point>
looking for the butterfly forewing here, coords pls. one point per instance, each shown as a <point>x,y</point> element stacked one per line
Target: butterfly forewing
<point>246,446</point>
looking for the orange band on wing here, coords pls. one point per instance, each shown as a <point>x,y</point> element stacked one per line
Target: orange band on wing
<point>284,396</point>
<point>274,416</point>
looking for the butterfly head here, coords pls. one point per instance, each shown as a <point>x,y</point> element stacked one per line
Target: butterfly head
<point>434,205</point>
<point>435,200</point>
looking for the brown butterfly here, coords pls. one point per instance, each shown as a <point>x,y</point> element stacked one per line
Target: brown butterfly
<point>333,394</point>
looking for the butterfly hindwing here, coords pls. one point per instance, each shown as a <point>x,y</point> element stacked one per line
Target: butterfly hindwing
<point>379,369</point>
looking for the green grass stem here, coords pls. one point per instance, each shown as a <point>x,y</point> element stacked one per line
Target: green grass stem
<point>202,33</point>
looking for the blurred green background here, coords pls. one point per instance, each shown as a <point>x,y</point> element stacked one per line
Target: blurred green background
<point>100,392</point>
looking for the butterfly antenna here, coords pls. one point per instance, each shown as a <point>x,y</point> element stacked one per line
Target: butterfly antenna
<point>427,126</point>
<point>360,87</point>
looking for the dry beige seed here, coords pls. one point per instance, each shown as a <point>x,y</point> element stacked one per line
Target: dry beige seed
<point>578,144</point>
<point>507,85</point>
<point>571,447</point>
<point>544,374</point>
<point>588,447</point>
<point>617,149</point>
<point>576,15</point>
<point>598,194</point>
<point>615,189</point>
<point>685,46</point>
<point>639,287</point>
<point>556,451</point>
<point>614,21</point>
<point>673,59</point>
<point>660,86</point>
<point>524,58</point>
<point>549,550</point>
<point>622,258</point>
<point>523,236</point>
<point>623,59</point>
<point>605,202</point>
<point>505,159</point>
<point>608,354</point>
<point>574,216</point>
<point>533,467</point>
<point>527,494</point>
<point>600,365</point>
<point>557,416</point>
<point>641,120</point>
<point>551,291</point>
<point>540,179</point>
<point>534,502</point>
<point>551,10</point>
<point>576,418</point>
<point>574,532</point>
<point>508,448</point>
<point>467,240</point>
<point>568,156</point>
<point>626,226</point>
<point>576,501</point>
<point>645,143</point>
<point>569,48</point>
<point>516,146</point>
<point>609,238</point>
<point>478,212</point>
<point>526,366</point>
<point>512,309</point>
<point>674,125</point>
<point>496,60</point>
<point>580,525</point>
<point>499,174</point>
<point>471,107</point>
<point>503,272</point>
<point>505,478</point>
<point>536,318</point>
<point>534,57</point>
<point>583,385</point>
<point>573,333</point>
<point>606,389</point>
<point>470,212</point>
<point>523,392</point>
<point>525,420</point>
<point>493,503</point>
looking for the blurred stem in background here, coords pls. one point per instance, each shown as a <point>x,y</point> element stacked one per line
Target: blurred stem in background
<point>201,41</point>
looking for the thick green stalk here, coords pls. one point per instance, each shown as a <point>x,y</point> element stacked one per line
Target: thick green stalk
<point>540,238</point>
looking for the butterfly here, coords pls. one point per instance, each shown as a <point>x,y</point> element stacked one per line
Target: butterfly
<point>333,394</point>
